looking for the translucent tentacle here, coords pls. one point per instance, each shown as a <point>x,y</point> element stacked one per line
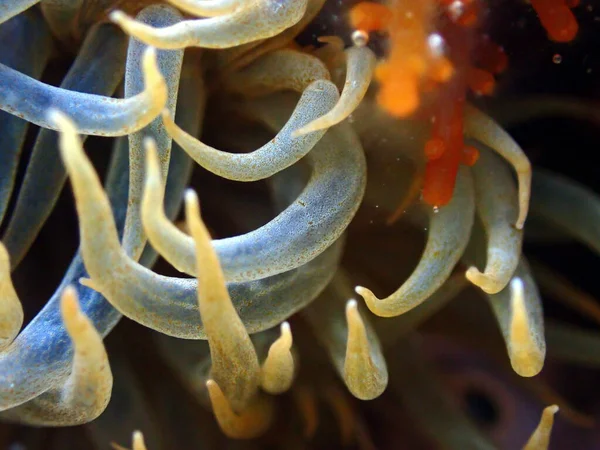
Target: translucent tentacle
<point>25,31</point>
<point>98,69</point>
<point>281,152</point>
<point>237,57</point>
<point>162,303</point>
<point>277,372</point>
<point>250,423</point>
<point>484,129</point>
<point>30,99</point>
<point>497,206</point>
<point>40,357</point>
<point>449,232</point>
<point>540,439</point>
<point>11,311</point>
<point>360,63</point>
<point>234,361</point>
<point>257,20</point>
<point>350,341</point>
<point>301,232</point>
<point>208,8</point>
<point>10,8</point>
<point>169,63</point>
<point>518,309</point>
<point>87,390</point>
<point>567,205</point>
<point>276,71</point>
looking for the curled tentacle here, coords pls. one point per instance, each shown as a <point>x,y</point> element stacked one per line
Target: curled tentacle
<point>276,71</point>
<point>540,439</point>
<point>97,115</point>
<point>162,303</point>
<point>98,69</point>
<point>234,361</point>
<point>360,63</point>
<point>169,63</point>
<point>11,311</point>
<point>35,362</point>
<point>518,309</point>
<point>277,372</point>
<point>497,207</point>
<point>449,232</point>
<point>567,205</point>
<point>351,342</point>
<point>281,152</point>
<point>86,392</point>
<point>24,31</point>
<point>484,129</point>
<point>259,19</point>
<point>302,231</point>
<point>250,423</point>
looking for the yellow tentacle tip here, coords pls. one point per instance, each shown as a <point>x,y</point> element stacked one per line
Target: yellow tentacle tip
<point>526,357</point>
<point>372,302</point>
<point>277,372</point>
<point>365,372</point>
<point>249,424</point>
<point>540,439</point>
<point>486,282</point>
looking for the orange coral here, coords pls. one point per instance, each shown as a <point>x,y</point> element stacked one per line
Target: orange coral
<point>435,43</point>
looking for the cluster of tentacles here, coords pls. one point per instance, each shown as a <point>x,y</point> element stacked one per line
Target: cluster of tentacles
<point>148,80</point>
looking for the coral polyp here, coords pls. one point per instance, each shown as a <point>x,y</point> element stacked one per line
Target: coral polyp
<point>236,189</point>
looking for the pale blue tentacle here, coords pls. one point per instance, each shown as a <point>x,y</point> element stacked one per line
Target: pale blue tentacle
<point>98,69</point>
<point>169,63</point>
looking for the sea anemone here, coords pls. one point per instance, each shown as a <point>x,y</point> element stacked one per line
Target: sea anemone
<point>275,112</point>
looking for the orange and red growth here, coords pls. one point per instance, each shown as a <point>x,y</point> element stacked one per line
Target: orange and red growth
<point>437,51</point>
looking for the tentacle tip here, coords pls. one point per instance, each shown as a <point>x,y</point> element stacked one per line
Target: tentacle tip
<point>486,282</point>
<point>69,303</point>
<point>368,296</point>
<point>117,16</point>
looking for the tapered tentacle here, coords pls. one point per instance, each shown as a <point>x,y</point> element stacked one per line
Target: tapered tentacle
<point>10,8</point>
<point>498,207</point>
<point>518,309</point>
<point>567,205</point>
<point>98,69</point>
<point>86,392</point>
<point>276,71</point>
<point>540,438</point>
<point>30,99</point>
<point>449,232</point>
<point>169,63</point>
<point>295,236</point>
<point>351,342</point>
<point>250,423</point>
<point>277,371</point>
<point>256,20</point>
<point>281,152</point>
<point>484,129</point>
<point>360,64</point>
<point>29,31</point>
<point>162,303</point>
<point>234,363</point>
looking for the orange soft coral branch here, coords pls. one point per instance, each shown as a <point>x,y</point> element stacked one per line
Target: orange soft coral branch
<point>557,18</point>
